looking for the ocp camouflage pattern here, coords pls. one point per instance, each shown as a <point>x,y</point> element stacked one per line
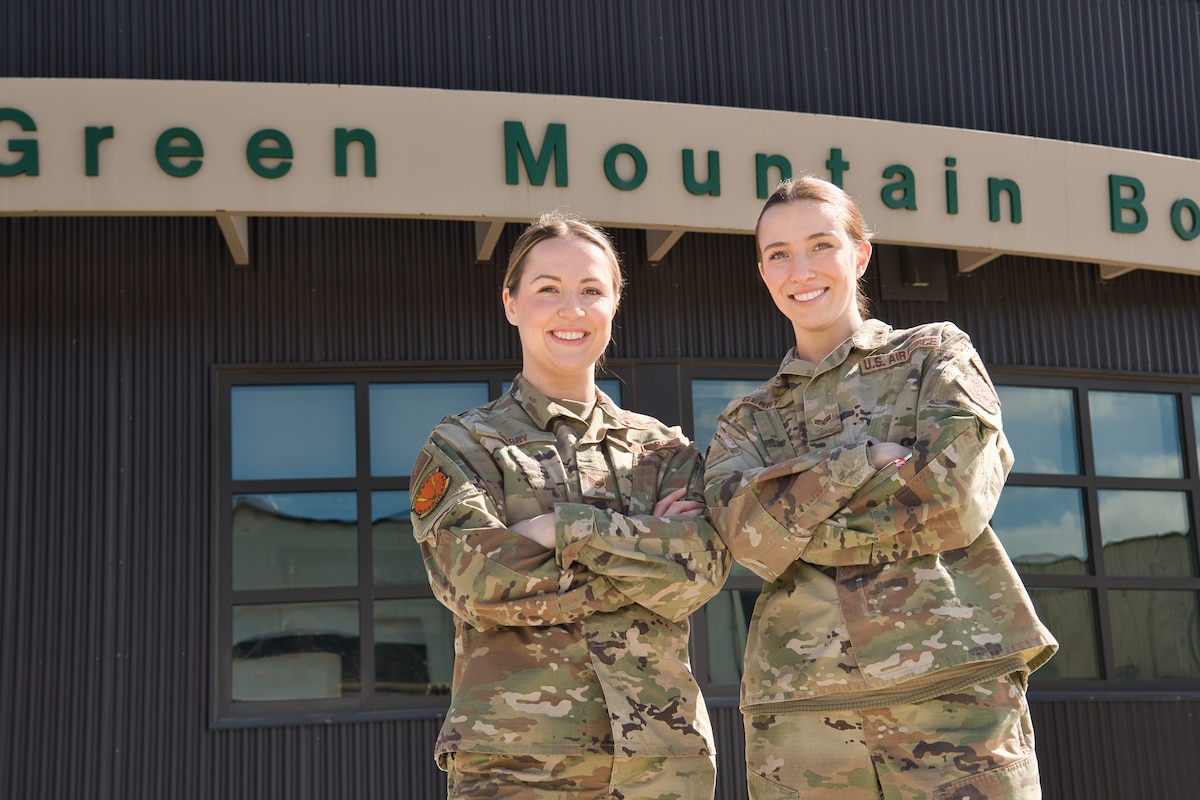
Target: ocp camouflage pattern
<point>874,578</point>
<point>583,649</point>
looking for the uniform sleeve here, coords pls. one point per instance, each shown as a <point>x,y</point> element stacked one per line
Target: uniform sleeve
<point>670,565</point>
<point>944,496</point>
<point>766,514</point>
<point>479,569</point>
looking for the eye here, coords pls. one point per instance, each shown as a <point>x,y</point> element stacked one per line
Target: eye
<point>547,289</point>
<point>592,290</point>
<point>776,255</point>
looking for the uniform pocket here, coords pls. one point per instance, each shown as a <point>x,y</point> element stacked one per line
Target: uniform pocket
<point>1016,781</point>
<point>762,789</point>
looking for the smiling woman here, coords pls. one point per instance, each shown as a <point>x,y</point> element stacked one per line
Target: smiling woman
<point>565,535</point>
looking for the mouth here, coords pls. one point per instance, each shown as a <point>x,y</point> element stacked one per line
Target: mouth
<point>804,297</point>
<point>568,336</point>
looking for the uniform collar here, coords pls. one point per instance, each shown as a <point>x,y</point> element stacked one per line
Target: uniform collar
<point>603,415</point>
<point>870,335</point>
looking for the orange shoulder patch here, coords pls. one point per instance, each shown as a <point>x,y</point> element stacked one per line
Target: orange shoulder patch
<point>431,492</point>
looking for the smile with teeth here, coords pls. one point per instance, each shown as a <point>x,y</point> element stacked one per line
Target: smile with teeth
<point>568,335</point>
<point>811,294</point>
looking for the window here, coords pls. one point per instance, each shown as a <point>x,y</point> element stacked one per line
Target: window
<point>324,607</point>
<point>1098,515</point>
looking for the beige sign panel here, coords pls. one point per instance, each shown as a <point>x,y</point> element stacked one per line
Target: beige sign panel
<point>234,150</point>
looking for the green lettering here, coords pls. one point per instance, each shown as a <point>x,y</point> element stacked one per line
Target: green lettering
<point>902,193</point>
<point>762,164</point>
<point>27,164</point>
<point>1177,209</point>
<point>92,137</point>
<point>554,148</point>
<point>341,143</point>
<point>610,167</point>
<point>951,186</point>
<point>836,166</point>
<point>995,187</point>
<point>1118,204</point>
<point>165,150</point>
<point>712,186</point>
<point>269,143</point>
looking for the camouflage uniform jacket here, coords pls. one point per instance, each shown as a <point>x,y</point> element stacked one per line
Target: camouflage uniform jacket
<point>584,648</point>
<point>876,580</point>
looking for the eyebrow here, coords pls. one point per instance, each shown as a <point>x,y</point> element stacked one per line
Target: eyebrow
<point>809,238</point>
<point>548,277</point>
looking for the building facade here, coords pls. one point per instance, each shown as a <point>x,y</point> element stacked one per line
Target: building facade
<point>251,252</point>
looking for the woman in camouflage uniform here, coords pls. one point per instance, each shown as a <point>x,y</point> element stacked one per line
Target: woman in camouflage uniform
<point>557,528</point>
<point>888,651</point>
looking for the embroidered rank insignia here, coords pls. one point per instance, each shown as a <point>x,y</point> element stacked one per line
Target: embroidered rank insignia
<point>431,492</point>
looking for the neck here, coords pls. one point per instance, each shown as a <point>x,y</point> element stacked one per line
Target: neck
<point>814,346</point>
<point>580,389</point>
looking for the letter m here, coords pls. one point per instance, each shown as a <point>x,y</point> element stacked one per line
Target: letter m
<point>554,148</point>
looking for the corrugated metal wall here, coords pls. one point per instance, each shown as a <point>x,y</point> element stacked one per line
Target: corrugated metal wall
<point>110,329</point>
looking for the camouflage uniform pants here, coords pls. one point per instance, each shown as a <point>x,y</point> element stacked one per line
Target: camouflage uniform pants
<point>531,777</point>
<point>976,744</point>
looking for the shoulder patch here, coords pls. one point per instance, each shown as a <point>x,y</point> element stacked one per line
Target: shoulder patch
<point>876,362</point>
<point>431,493</point>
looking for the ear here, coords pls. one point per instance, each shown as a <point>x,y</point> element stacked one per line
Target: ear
<point>864,258</point>
<point>510,306</point>
<point>761,273</point>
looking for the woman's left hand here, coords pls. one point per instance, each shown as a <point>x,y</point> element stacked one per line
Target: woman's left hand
<point>673,505</point>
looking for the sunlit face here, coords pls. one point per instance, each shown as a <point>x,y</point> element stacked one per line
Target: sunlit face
<point>811,268</point>
<point>563,308</point>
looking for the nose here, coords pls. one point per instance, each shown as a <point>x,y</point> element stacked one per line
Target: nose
<point>570,308</point>
<point>802,271</point>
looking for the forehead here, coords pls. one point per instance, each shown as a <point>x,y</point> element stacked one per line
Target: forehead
<point>798,219</point>
<point>571,258</point>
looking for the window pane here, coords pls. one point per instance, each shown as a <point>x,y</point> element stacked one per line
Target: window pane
<point>292,432</point>
<point>709,398</point>
<point>397,556</point>
<point>1196,422</point>
<point>1136,435</point>
<point>1070,614</point>
<point>1156,634</point>
<point>295,651</point>
<point>1146,533</point>
<point>403,414</point>
<point>1041,427</point>
<point>1042,529</point>
<point>292,540</point>
<point>727,617</point>
<point>414,647</point>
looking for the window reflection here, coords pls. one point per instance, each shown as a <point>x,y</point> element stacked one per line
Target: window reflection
<point>397,556</point>
<point>709,398</point>
<point>295,651</point>
<point>1043,530</point>
<point>1041,427</point>
<point>403,414</point>
<point>1136,434</point>
<point>727,618</point>
<point>1146,533</point>
<point>285,432</point>
<point>1156,634</point>
<point>414,647</point>
<point>1070,614</point>
<point>294,540</point>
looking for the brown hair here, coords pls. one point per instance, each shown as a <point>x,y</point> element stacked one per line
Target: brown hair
<point>810,187</point>
<point>560,225</point>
